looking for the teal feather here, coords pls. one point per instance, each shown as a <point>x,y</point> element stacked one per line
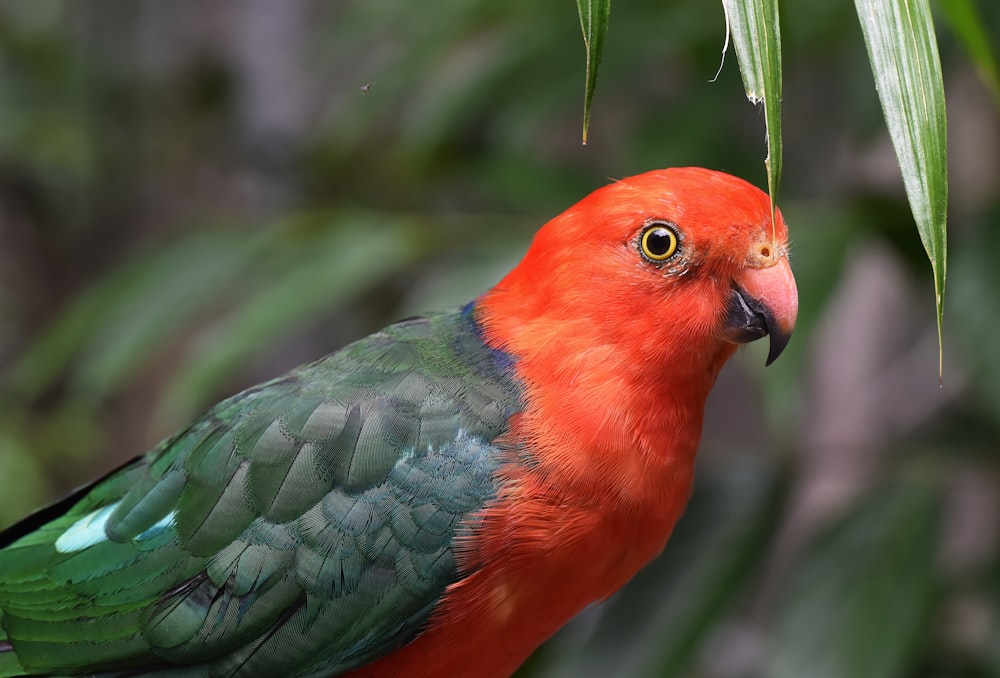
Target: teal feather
<point>303,527</point>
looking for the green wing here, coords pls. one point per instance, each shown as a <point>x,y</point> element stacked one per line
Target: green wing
<point>303,527</point>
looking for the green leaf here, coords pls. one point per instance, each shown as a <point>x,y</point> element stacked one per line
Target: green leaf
<point>754,27</point>
<point>157,304</point>
<point>860,600</point>
<point>991,646</point>
<point>333,263</point>
<point>594,22</point>
<point>976,279</point>
<point>726,532</point>
<point>902,48</point>
<point>967,24</point>
<point>128,315</point>
<point>18,461</point>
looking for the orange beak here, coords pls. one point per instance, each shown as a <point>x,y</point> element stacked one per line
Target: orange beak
<point>764,302</point>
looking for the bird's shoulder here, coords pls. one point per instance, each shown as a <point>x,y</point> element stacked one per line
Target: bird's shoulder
<point>321,507</point>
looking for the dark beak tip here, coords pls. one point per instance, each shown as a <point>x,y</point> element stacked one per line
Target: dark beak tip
<point>779,340</point>
<point>749,320</point>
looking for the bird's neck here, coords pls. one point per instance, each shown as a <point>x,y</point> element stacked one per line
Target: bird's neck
<point>613,416</point>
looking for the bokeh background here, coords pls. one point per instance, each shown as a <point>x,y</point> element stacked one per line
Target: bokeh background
<point>196,196</point>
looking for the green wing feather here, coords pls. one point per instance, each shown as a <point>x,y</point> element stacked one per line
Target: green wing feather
<point>306,526</point>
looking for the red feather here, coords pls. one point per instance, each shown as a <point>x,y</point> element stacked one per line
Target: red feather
<point>618,356</point>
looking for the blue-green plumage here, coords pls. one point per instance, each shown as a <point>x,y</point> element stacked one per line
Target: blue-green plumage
<point>305,526</point>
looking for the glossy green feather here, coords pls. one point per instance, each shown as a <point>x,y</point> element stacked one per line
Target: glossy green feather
<point>303,527</point>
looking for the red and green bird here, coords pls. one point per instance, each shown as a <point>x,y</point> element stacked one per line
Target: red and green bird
<point>438,498</point>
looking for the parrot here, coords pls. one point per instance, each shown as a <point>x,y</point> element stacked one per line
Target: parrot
<point>437,498</point>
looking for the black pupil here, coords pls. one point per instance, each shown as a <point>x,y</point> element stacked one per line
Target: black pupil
<point>659,241</point>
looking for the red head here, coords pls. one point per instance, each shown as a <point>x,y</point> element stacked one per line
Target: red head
<point>685,260</point>
<point>624,310</point>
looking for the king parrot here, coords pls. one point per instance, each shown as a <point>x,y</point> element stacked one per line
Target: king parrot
<point>435,499</point>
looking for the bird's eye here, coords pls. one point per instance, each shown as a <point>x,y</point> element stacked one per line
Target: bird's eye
<point>658,242</point>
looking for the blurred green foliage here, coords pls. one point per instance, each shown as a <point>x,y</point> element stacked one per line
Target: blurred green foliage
<point>195,197</point>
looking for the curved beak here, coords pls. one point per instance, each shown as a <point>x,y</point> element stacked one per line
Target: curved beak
<point>763,302</point>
